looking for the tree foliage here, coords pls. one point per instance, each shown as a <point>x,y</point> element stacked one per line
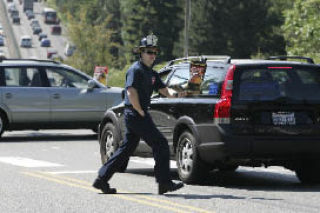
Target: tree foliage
<point>142,17</point>
<point>302,28</point>
<point>240,28</point>
<point>106,31</point>
<point>93,42</point>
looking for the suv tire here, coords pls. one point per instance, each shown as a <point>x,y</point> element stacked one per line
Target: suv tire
<point>109,143</point>
<point>308,172</point>
<point>190,167</point>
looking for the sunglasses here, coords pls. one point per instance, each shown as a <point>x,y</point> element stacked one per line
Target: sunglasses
<point>149,52</point>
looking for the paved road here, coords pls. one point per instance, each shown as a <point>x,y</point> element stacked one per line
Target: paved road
<point>58,42</point>
<point>52,171</point>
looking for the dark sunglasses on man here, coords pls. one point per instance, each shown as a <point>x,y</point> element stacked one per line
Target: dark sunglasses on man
<point>150,52</point>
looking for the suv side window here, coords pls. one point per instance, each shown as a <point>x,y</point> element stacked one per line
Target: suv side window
<point>64,78</point>
<point>179,78</point>
<point>22,77</point>
<point>213,80</point>
<point>210,85</point>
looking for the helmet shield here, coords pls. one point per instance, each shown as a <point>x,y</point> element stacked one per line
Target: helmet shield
<point>148,41</point>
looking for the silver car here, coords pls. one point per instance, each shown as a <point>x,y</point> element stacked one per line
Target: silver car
<point>41,94</point>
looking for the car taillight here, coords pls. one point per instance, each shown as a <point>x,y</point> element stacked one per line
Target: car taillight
<point>222,108</point>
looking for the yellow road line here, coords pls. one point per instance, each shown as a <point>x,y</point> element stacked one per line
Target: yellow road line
<point>92,189</point>
<point>141,196</point>
<point>79,183</point>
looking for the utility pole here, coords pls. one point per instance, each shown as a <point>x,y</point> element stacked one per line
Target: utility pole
<point>186,27</point>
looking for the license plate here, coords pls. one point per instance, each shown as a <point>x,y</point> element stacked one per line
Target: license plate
<point>283,118</point>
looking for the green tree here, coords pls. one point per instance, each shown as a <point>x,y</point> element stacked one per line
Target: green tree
<point>93,42</point>
<point>302,28</point>
<point>98,10</point>
<point>142,17</point>
<point>240,28</point>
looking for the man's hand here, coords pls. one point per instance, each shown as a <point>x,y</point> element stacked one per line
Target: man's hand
<point>172,94</point>
<point>141,112</point>
<point>134,100</point>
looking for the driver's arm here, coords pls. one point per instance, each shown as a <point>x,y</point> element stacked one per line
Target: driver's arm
<point>170,94</point>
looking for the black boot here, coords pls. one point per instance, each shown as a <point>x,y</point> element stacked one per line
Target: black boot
<point>169,187</point>
<point>103,186</point>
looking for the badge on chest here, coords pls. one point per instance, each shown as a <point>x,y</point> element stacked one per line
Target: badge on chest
<point>153,80</point>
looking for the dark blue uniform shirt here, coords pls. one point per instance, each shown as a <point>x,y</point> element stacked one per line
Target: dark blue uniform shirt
<point>145,81</point>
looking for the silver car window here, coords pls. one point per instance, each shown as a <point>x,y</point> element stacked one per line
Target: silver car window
<point>22,77</point>
<point>65,78</point>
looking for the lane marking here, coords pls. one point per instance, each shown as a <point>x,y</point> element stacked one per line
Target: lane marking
<point>146,200</point>
<point>74,172</point>
<point>141,196</point>
<point>28,162</point>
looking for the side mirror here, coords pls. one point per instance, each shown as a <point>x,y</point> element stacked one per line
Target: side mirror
<point>91,84</point>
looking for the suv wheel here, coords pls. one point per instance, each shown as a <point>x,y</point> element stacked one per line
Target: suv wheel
<point>190,168</point>
<point>308,172</point>
<point>109,143</point>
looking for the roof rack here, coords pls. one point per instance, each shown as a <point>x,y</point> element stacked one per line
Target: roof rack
<point>226,58</point>
<point>31,59</point>
<point>283,58</point>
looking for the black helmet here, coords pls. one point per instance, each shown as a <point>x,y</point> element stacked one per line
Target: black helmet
<point>148,41</point>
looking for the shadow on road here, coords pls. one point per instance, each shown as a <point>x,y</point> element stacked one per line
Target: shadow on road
<point>225,197</point>
<point>248,180</point>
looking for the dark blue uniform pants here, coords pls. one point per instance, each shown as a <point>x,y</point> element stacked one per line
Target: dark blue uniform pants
<point>140,127</point>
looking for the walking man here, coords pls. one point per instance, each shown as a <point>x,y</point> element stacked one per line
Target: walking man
<point>141,81</point>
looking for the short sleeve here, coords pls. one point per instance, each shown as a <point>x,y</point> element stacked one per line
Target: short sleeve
<point>132,78</point>
<point>158,82</point>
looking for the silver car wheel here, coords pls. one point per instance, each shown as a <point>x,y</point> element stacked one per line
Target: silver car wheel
<point>186,156</point>
<point>110,144</point>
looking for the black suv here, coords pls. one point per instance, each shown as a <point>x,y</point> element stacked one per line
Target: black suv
<point>247,112</point>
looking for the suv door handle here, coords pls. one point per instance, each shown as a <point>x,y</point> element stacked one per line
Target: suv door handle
<point>56,96</point>
<point>8,95</point>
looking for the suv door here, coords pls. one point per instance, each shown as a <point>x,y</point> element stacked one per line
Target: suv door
<point>164,110</point>
<point>25,96</point>
<point>71,100</point>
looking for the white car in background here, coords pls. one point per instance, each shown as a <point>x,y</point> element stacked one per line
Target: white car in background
<point>2,55</point>
<point>70,48</point>
<point>1,30</point>
<point>26,41</point>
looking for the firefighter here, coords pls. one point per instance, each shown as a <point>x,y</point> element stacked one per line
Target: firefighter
<point>141,81</point>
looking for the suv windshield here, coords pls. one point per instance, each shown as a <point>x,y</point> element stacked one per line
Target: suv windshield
<point>273,83</point>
